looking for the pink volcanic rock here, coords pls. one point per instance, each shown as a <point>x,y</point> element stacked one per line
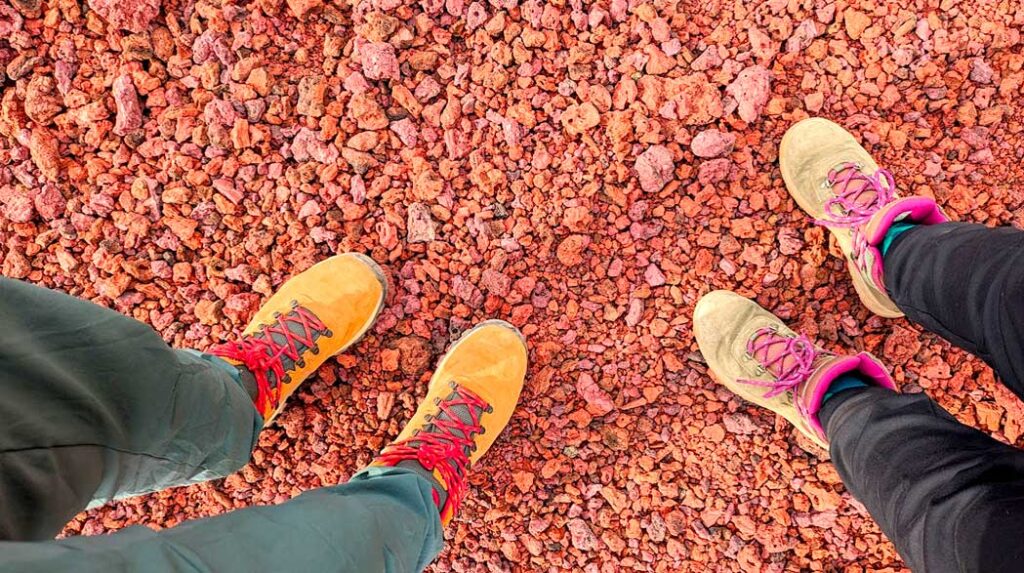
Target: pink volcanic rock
<point>714,171</point>
<point>598,401</point>
<point>751,91</point>
<point>378,60</point>
<point>655,168</point>
<point>420,224</point>
<point>129,112</point>
<point>712,143</point>
<point>307,146</point>
<point>131,15</point>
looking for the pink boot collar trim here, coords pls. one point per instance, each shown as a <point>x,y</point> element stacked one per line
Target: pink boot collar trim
<point>918,210</point>
<point>864,364</point>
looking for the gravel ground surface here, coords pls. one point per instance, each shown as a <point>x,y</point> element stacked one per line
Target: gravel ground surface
<point>585,170</point>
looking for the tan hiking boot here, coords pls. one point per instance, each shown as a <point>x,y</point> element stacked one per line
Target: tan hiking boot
<point>754,354</point>
<point>837,182</point>
<point>470,400</point>
<point>313,316</point>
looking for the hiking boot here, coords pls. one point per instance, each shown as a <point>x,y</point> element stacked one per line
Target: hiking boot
<point>754,354</point>
<point>469,402</point>
<point>315,315</point>
<point>838,183</point>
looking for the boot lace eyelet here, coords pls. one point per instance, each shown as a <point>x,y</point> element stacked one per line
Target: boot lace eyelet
<point>275,349</point>
<point>445,445</point>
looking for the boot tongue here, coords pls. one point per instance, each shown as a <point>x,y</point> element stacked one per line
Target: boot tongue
<point>297,334</point>
<point>858,195</point>
<point>465,415</point>
<point>848,178</point>
<point>779,355</point>
<point>460,412</point>
<point>820,364</point>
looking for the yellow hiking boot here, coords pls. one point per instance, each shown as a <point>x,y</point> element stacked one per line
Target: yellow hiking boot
<point>754,354</point>
<point>469,402</point>
<point>837,182</point>
<point>314,316</point>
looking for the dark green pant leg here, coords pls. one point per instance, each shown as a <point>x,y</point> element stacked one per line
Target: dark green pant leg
<point>384,520</point>
<point>94,405</point>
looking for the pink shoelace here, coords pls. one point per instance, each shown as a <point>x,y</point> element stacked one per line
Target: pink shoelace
<point>854,205</point>
<point>771,350</point>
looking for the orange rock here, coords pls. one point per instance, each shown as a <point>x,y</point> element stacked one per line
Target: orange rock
<point>657,62</point>
<point>311,96</point>
<point>523,480</point>
<point>406,99</point>
<point>43,150</point>
<point>577,218</point>
<point>302,7</point>
<point>822,499</point>
<point>856,22</point>
<point>389,359</point>
<point>240,134</point>
<point>570,250</point>
<point>367,112</point>
<point>577,119</point>
<point>363,141</point>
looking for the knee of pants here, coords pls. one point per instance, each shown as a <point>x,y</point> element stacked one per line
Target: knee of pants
<point>1010,296</point>
<point>987,534</point>
<point>1003,333</point>
<point>187,410</point>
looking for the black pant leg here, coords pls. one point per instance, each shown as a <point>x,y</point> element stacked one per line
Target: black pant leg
<point>948,496</point>
<point>965,282</point>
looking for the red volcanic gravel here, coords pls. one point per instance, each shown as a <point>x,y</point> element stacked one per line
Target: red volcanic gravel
<point>584,170</point>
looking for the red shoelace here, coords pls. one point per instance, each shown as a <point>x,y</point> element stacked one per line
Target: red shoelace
<point>261,354</point>
<point>444,444</point>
